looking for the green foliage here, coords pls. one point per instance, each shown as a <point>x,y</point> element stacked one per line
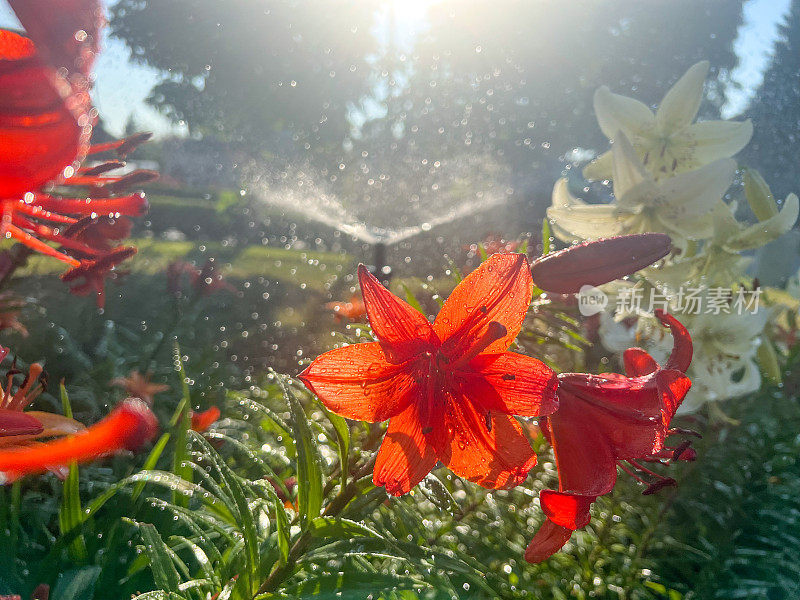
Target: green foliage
<point>733,528</point>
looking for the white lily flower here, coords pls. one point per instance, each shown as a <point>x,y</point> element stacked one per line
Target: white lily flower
<point>720,261</point>
<point>680,206</point>
<point>668,142</point>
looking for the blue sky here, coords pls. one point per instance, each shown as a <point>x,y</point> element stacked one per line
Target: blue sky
<point>122,86</point>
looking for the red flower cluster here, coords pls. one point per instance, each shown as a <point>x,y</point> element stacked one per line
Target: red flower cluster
<point>604,421</point>
<point>46,121</point>
<point>21,451</point>
<point>450,388</point>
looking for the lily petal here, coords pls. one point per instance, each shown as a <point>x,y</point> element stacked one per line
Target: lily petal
<point>489,449</point>
<point>40,134</point>
<point>762,233</point>
<point>629,172</point>
<point>498,291</point>
<point>621,113</point>
<point>127,427</point>
<point>573,218</point>
<point>568,510</point>
<point>638,362</point>
<point>405,456</point>
<point>403,331</point>
<point>712,140</point>
<point>359,382</point>
<point>548,540</point>
<point>512,384</point>
<point>600,168</point>
<point>16,422</point>
<point>56,424</point>
<point>681,103</point>
<point>600,420</point>
<point>682,348</point>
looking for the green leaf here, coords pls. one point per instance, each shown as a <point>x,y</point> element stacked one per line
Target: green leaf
<point>151,462</point>
<point>358,584</point>
<point>309,467</point>
<point>164,572</point>
<point>412,299</point>
<point>343,441</point>
<point>331,527</point>
<point>546,236</point>
<point>283,531</point>
<point>77,584</point>
<point>70,511</point>
<point>183,423</point>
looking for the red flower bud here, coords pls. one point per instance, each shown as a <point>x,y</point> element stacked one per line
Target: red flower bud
<point>598,262</point>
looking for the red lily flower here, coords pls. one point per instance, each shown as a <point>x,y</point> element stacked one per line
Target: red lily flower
<point>128,427</point>
<point>46,120</point>
<point>68,32</point>
<point>604,420</point>
<point>138,385</point>
<point>352,310</point>
<point>18,428</point>
<point>448,388</point>
<point>203,420</point>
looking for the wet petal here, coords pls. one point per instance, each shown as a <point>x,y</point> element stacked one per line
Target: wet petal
<point>16,422</point>
<point>203,420</point>
<point>681,103</point>
<point>573,218</point>
<point>498,291</point>
<point>489,449</point>
<point>510,383</point>
<point>619,113</point>
<point>548,540</point>
<point>568,510</point>
<point>55,425</point>
<point>128,427</point>
<point>40,134</point>
<point>681,356</point>
<point>406,455</point>
<point>584,457</point>
<point>358,382</point>
<point>70,36</point>
<point>405,332</point>
<point>638,362</point>
<point>672,388</point>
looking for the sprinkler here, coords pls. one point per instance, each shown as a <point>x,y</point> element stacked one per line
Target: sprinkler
<point>379,268</point>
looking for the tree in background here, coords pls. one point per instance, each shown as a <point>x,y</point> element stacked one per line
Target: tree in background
<point>264,73</point>
<point>775,111</point>
<point>515,79</point>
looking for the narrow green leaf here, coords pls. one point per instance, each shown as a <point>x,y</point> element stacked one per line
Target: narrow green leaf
<point>77,584</point>
<point>309,468</point>
<point>283,531</point>
<point>412,299</point>
<point>70,511</point>
<point>343,441</point>
<point>331,527</point>
<point>164,572</point>
<point>183,424</point>
<point>150,463</point>
<point>546,236</point>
